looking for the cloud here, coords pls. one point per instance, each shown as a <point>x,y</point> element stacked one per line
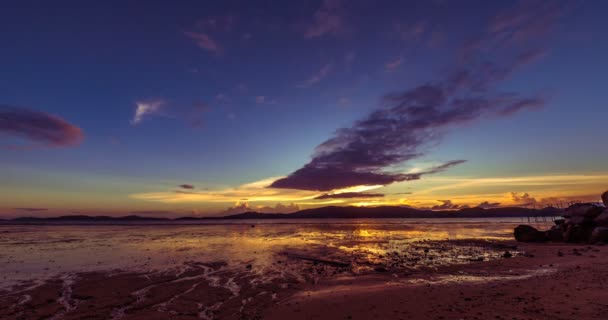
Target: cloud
<point>448,205</point>
<point>528,21</point>
<point>41,128</point>
<point>32,209</point>
<point>260,99</point>
<point>186,186</point>
<point>204,41</point>
<point>412,120</point>
<point>349,195</point>
<point>488,205</point>
<point>255,192</point>
<point>191,114</point>
<point>326,20</point>
<point>208,29</point>
<point>152,212</point>
<point>523,199</point>
<point>317,77</point>
<point>243,206</point>
<point>394,64</point>
<point>144,108</point>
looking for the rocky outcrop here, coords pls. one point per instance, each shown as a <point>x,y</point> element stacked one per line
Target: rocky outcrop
<point>602,219</point>
<point>605,199</point>
<point>582,223</point>
<point>525,233</point>
<point>599,234</point>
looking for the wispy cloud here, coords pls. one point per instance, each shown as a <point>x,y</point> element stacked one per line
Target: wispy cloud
<point>208,29</point>
<point>186,186</point>
<point>393,64</point>
<point>317,77</point>
<point>190,114</point>
<point>349,195</point>
<point>144,108</point>
<point>42,129</point>
<point>204,41</point>
<point>328,19</point>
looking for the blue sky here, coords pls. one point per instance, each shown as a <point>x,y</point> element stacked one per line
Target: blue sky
<point>247,89</point>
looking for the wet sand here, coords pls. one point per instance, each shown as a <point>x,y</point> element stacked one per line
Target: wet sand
<point>548,281</point>
<point>339,271</point>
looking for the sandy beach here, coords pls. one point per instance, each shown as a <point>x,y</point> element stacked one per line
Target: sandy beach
<point>551,281</point>
<point>354,276</point>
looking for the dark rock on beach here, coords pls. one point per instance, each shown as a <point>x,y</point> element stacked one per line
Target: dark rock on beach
<point>582,223</point>
<point>599,234</point>
<point>525,233</point>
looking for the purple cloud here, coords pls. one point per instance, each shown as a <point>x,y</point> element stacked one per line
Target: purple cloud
<point>410,121</point>
<point>41,128</point>
<point>186,186</point>
<point>326,20</point>
<point>204,41</point>
<point>349,195</point>
<point>394,64</point>
<point>317,77</point>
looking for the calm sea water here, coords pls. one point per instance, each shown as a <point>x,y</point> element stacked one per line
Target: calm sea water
<point>35,252</point>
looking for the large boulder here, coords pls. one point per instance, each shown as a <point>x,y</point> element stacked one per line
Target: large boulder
<point>599,234</point>
<point>605,199</point>
<point>602,219</point>
<point>578,233</point>
<point>556,233</point>
<point>587,210</point>
<point>525,233</point>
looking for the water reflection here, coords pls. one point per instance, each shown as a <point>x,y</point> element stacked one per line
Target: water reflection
<point>38,252</point>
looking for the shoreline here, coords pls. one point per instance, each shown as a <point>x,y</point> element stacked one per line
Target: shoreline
<point>497,288</point>
<point>540,284</point>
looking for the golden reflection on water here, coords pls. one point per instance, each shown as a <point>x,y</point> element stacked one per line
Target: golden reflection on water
<point>33,252</point>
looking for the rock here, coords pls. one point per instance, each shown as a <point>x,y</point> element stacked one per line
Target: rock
<point>605,199</point>
<point>578,233</point>
<point>556,233</point>
<point>599,234</point>
<point>380,269</point>
<point>559,222</point>
<point>525,233</point>
<point>602,219</point>
<point>575,220</point>
<point>587,210</point>
<point>507,254</point>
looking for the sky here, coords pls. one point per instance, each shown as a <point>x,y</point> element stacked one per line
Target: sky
<point>205,108</point>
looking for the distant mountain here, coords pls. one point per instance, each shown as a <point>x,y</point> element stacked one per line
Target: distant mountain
<point>330,212</point>
<point>88,218</point>
<point>383,212</point>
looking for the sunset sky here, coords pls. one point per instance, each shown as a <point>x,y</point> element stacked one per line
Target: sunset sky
<point>172,108</point>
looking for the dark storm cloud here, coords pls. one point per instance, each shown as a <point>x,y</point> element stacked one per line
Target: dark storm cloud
<point>349,195</point>
<point>186,186</point>
<point>39,127</point>
<point>411,120</point>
